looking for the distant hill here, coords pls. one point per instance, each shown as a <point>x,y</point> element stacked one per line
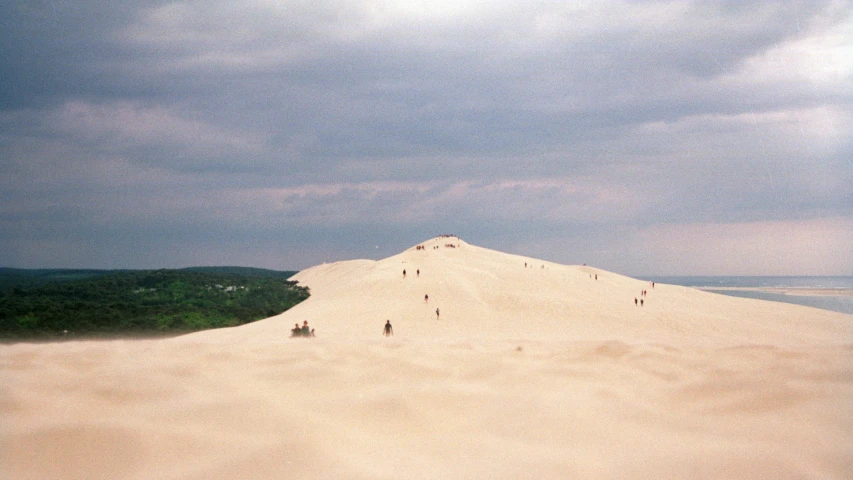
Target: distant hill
<point>29,278</point>
<point>247,271</point>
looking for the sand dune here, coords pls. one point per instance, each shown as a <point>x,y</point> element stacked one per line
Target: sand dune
<point>490,294</point>
<point>537,372</point>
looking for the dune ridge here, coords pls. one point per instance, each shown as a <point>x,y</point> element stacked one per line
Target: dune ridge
<point>528,373</point>
<point>485,292</point>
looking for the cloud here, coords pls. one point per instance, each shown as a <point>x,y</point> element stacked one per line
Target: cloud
<point>810,247</point>
<point>136,131</point>
<point>565,129</point>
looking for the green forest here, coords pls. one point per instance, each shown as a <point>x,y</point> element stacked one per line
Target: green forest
<point>85,303</point>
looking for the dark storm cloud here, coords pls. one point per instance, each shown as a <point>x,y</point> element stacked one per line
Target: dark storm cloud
<point>53,50</point>
<point>130,129</point>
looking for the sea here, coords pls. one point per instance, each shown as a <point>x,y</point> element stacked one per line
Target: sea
<point>843,304</point>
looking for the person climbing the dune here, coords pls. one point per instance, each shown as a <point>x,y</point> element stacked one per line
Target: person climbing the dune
<point>389,330</point>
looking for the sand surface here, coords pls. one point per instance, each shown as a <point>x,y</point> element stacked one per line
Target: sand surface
<point>538,372</point>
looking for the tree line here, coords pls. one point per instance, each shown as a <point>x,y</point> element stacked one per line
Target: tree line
<point>140,302</point>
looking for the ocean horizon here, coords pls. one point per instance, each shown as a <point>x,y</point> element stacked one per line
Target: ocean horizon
<point>721,284</point>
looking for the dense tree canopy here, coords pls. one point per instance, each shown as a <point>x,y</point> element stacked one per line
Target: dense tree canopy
<point>143,301</point>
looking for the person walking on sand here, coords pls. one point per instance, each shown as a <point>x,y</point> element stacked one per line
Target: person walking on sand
<point>635,301</point>
<point>296,332</point>
<point>419,272</point>
<point>436,314</point>
<point>306,330</point>
<point>404,273</point>
<point>426,298</point>
<point>389,330</point>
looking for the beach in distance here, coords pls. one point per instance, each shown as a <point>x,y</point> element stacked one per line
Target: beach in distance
<point>829,293</point>
<point>498,366</point>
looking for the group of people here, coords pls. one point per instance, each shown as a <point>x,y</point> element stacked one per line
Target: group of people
<point>446,245</point>
<point>643,293</point>
<point>436,247</point>
<point>418,272</point>
<point>303,331</point>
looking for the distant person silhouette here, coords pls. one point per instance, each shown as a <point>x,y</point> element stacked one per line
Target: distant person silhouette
<point>436,314</point>
<point>306,331</point>
<point>389,330</point>
<point>426,297</point>
<point>404,273</point>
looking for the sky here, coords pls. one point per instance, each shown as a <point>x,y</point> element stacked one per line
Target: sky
<point>641,137</point>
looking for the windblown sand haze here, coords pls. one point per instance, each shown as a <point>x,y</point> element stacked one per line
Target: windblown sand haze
<point>500,366</point>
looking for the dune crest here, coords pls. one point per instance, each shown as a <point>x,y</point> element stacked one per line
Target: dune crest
<point>486,293</point>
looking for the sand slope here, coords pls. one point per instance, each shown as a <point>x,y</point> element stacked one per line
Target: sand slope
<point>490,294</point>
<point>528,373</point>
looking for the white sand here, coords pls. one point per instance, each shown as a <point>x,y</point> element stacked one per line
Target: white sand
<point>528,373</point>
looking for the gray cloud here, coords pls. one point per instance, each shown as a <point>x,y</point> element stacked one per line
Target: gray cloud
<point>130,133</point>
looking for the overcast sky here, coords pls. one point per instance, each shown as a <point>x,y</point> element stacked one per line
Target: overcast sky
<point>642,137</point>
